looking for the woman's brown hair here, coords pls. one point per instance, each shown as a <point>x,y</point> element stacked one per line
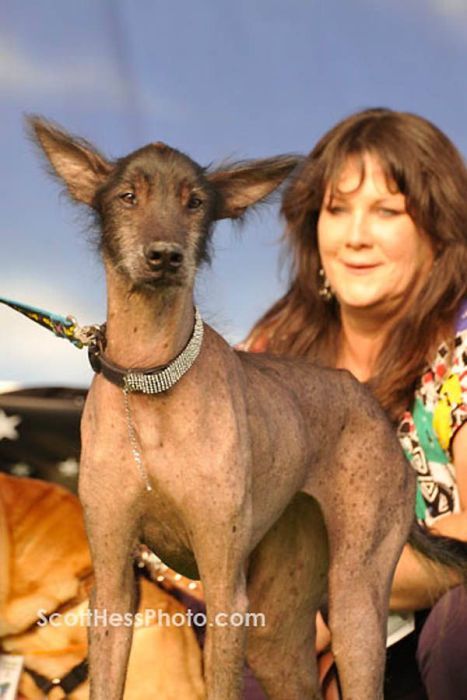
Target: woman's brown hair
<point>426,167</point>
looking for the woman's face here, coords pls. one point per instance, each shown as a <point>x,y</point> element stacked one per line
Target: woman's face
<point>371,250</point>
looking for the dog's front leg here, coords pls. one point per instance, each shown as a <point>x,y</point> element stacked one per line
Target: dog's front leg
<point>227,605</point>
<point>112,602</point>
<point>221,562</point>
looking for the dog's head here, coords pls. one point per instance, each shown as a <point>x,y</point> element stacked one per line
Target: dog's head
<point>156,206</point>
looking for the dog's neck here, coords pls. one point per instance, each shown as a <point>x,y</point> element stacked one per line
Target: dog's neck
<point>146,329</point>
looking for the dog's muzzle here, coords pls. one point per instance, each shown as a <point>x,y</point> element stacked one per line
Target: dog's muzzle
<point>164,258</point>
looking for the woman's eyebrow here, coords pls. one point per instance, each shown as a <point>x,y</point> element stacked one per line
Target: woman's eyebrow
<point>338,195</point>
<point>390,198</point>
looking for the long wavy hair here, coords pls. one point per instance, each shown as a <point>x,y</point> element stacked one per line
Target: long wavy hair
<point>429,171</point>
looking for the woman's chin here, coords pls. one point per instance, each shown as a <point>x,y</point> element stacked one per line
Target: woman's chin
<point>360,301</point>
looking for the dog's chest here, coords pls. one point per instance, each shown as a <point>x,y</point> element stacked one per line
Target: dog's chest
<point>168,537</point>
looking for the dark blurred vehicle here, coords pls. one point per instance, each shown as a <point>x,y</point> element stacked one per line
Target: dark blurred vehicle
<point>39,433</point>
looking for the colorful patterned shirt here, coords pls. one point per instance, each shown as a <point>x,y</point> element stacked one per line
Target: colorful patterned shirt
<point>427,430</point>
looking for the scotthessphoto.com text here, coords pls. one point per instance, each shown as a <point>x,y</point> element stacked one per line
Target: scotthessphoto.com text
<point>104,618</point>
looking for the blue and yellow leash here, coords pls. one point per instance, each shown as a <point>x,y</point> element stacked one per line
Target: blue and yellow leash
<point>61,326</point>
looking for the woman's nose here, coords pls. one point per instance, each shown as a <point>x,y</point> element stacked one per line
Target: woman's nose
<point>358,234</point>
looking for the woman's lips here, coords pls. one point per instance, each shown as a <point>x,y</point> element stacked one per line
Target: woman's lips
<point>360,268</point>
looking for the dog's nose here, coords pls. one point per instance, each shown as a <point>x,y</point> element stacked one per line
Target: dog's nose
<point>164,256</point>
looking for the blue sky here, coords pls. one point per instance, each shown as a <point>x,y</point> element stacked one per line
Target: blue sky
<point>214,79</point>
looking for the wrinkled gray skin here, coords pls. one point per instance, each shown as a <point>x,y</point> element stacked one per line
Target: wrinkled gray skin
<point>270,476</point>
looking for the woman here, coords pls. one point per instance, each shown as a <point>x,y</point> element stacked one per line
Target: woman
<point>377,232</point>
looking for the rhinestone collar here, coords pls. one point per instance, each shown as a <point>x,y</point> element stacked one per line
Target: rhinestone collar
<point>154,380</point>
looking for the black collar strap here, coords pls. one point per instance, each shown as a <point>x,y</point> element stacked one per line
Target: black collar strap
<point>153,380</point>
<point>70,681</point>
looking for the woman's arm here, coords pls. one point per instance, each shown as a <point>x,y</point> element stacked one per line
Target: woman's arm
<point>418,583</point>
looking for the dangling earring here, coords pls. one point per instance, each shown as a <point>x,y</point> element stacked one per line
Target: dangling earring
<point>324,289</point>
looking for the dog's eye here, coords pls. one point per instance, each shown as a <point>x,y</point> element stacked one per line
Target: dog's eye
<point>129,198</point>
<point>194,202</point>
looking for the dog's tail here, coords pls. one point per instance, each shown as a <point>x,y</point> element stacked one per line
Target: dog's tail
<point>439,549</point>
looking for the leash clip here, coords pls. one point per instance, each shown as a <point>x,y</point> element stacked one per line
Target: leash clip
<point>85,335</point>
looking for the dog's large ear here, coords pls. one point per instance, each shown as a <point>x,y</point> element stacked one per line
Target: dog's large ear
<point>241,185</point>
<point>73,160</point>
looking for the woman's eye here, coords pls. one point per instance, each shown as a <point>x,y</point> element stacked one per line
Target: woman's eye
<point>335,209</point>
<point>194,202</point>
<point>387,211</point>
<point>128,198</point>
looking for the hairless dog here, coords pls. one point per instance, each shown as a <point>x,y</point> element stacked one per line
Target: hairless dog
<point>265,477</point>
